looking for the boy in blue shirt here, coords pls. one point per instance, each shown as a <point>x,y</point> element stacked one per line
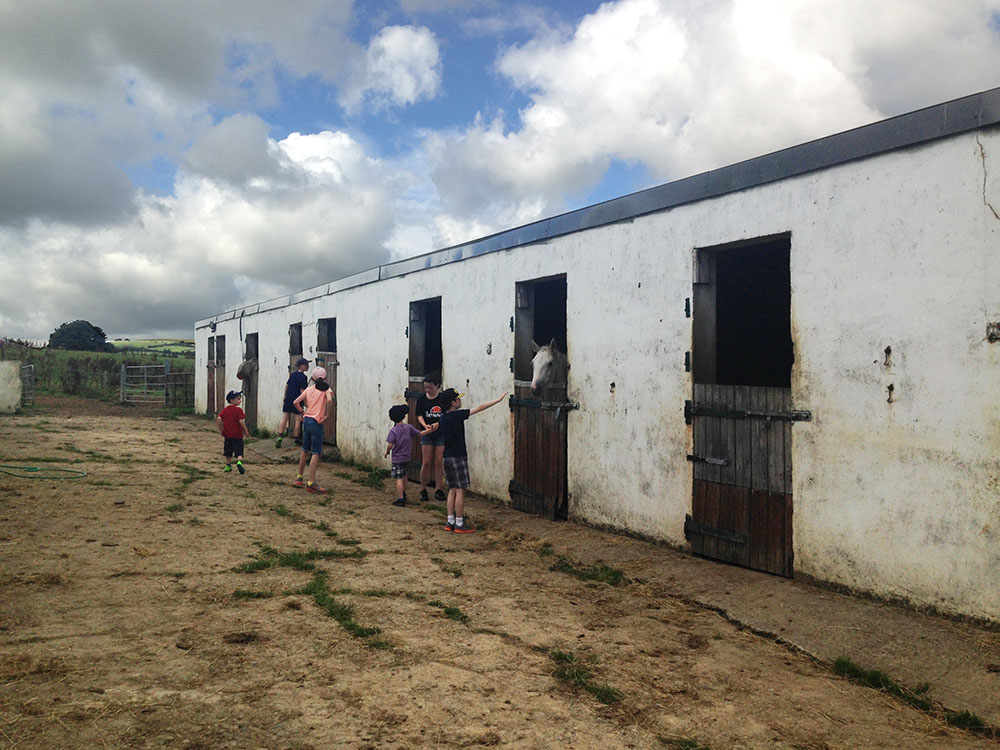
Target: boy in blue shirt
<point>456,456</point>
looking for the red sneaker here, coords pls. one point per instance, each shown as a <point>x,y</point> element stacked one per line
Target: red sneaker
<point>298,483</point>
<point>313,487</point>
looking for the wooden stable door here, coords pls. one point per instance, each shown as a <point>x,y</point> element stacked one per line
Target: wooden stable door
<point>328,361</point>
<point>742,500</point>
<point>539,485</point>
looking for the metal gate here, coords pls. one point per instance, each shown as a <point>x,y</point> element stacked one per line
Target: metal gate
<point>27,385</point>
<point>539,485</point>
<point>156,384</point>
<point>742,499</point>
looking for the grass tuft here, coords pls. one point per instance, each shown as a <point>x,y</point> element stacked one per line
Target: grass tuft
<point>600,573</point>
<point>880,681</point>
<point>573,674</point>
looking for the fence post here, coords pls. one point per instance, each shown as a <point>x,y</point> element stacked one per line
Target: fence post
<point>166,383</point>
<point>123,384</point>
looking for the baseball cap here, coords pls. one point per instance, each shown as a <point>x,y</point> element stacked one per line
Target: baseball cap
<point>302,361</point>
<point>319,373</point>
<point>233,394</point>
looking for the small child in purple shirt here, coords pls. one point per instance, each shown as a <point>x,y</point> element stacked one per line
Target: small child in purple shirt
<point>400,444</point>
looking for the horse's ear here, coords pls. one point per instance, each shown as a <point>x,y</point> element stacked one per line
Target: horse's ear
<point>534,347</point>
<point>552,345</point>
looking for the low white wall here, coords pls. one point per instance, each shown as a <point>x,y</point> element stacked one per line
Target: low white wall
<point>10,386</point>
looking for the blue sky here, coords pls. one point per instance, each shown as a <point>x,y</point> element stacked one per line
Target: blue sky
<point>161,162</point>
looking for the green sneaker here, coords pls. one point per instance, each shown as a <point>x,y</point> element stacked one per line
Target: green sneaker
<point>228,468</point>
<point>277,443</point>
<point>239,465</point>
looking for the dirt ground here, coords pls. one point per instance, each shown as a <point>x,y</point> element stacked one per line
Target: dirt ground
<point>130,618</point>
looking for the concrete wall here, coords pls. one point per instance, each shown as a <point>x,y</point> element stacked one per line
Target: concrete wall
<point>896,498</point>
<point>10,386</point>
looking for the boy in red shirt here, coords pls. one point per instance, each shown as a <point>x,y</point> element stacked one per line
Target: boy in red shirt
<point>232,427</point>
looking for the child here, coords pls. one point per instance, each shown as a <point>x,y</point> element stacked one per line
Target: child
<point>400,443</point>
<point>297,382</point>
<point>429,411</point>
<point>456,457</point>
<point>314,404</point>
<point>232,427</point>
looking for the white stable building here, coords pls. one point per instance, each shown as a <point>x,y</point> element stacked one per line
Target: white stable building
<point>791,363</point>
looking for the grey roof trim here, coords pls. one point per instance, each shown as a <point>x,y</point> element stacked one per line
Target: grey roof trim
<point>931,123</point>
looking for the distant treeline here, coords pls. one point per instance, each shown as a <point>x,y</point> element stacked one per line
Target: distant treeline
<point>87,374</point>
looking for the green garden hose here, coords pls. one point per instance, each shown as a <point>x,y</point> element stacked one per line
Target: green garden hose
<point>35,472</point>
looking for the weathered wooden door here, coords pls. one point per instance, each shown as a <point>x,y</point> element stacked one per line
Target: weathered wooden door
<point>740,411</point>
<point>742,500</point>
<point>210,400</point>
<point>249,371</point>
<point>216,374</point>
<point>539,485</point>
<point>413,392</point>
<point>328,361</point>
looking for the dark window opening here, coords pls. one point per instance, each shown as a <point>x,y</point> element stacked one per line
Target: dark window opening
<point>295,340</point>
<point>539,316</point>
<point>743,315</point>
<point>220,350</point>
<point>211,348</point>
<point>425,338</point>
<point>326,339</point>
<point>251,346</point>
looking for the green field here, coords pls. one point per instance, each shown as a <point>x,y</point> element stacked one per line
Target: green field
<point>176,347</point>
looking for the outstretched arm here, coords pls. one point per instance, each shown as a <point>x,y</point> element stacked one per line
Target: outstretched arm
<point>488,404</point>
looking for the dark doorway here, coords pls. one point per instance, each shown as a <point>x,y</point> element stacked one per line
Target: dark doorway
<point>740,410</point>
<point>326,357</point>
<point>294,345</point>
<point>539,484</point>
<point>249,372</point>
<point>426,356</point>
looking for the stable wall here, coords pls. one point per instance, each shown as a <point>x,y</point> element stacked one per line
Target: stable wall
<point>895,498</point>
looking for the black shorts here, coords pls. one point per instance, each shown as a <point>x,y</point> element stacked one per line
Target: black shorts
<point>232,447</point>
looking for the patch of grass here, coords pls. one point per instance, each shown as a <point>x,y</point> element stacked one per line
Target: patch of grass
<point>453,569</point>
<point>191,474</point>
<point>272,558</point>
<point>195,521</point>
<point>349,542</point>
<point>573,674</point>
<point>342,613</point>
<point>452,613</point>
<point>966,720</point>
<point>281,510</point>
<point>175,507</point>
<point>600,573</point>
<point>880,681</point>
<point>375,479</point>
<point>546,550</point>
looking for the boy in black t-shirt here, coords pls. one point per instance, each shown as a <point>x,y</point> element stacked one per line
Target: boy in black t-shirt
<point>456,457</point>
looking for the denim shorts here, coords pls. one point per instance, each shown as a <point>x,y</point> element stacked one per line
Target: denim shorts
<point>398,471</point>
<point>312,436</point>
<point>433,438</point>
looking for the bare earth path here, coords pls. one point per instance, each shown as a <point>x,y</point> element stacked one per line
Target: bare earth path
<point>156,603</point>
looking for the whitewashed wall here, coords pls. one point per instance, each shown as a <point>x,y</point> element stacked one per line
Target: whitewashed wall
<point>899,499</point>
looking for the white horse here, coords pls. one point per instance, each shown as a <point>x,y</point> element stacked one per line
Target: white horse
<point>549,366</point>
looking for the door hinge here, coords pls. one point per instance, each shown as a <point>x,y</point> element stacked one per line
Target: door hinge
<point>708,460</point>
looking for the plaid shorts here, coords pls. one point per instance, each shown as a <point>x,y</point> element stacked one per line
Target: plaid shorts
<point>398,471</point>
<point>456,472</point>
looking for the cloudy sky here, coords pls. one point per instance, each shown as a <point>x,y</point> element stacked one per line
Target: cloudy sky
<point>164,161</point>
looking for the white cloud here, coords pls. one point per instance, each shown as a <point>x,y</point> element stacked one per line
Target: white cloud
<point>402,67</point>
<point>682,87</point>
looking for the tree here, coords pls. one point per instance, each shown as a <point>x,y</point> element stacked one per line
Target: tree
<point>79,336</point>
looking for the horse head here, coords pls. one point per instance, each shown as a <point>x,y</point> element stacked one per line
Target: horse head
<point>549,366</point>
